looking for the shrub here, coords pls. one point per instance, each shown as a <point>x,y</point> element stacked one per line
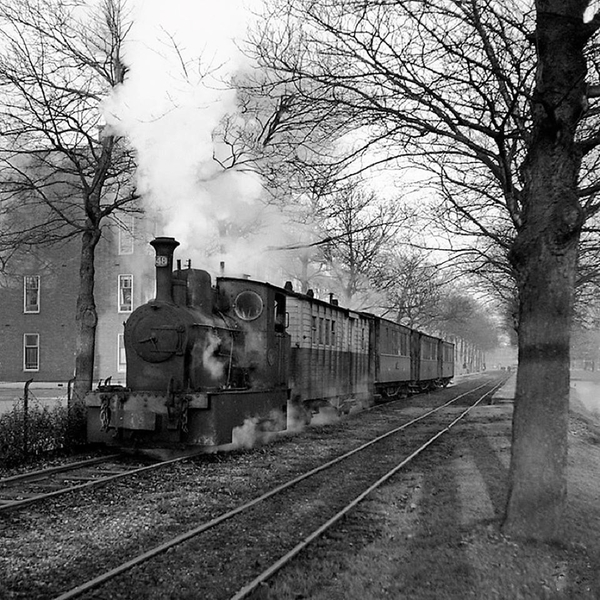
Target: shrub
<point>46,429</point>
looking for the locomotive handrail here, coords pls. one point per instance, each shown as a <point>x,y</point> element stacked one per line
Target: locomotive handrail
<point>213,327</point>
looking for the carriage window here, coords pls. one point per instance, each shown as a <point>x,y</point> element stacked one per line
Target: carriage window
<point>333,333</point>
<point>429,350</point>
<point>327,331</point>
<point>248,305</point>
<point>314,330</point>
<point>403,344</point>
<point>426,355</point>
<point>280,314</point>
<point>321,326</point>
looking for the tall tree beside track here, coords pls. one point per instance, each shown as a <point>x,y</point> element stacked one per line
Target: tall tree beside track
<point>491,99</point>
<point>544,256</point>
<point>63,171</point>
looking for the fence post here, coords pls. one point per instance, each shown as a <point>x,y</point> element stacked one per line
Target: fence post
<point>26,417</point>
<point>70,384</point>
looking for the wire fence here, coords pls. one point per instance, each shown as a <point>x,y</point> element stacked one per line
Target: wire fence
<point>37,423</point>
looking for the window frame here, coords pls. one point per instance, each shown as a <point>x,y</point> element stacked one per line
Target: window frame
<point>26,346</point>
<point>26,308</point>
<point>121,278</point>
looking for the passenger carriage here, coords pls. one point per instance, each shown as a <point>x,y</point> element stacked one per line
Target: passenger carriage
<point>329,353</point>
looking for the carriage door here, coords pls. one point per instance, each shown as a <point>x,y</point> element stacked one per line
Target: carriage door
<point>415,355</point>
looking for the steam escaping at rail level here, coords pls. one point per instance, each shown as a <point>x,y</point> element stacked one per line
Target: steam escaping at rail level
<point>257,432</point>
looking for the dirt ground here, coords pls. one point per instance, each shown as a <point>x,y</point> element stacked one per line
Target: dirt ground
<point>433,533</point>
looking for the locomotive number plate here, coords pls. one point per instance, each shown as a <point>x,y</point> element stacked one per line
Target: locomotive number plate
<point>161,261</point>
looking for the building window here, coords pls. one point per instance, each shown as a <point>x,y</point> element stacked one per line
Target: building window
<point>125,293</point>
<point>121,360</point>
<point>126,234</point>
<point>31,352</point>
<point>31,295</point>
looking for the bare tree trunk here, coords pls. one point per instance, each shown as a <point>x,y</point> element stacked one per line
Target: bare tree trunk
<point>538,478</point>
<point>86,317</point>
<point>544,257</point>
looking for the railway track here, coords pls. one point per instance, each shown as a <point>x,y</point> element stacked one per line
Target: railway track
<point>299,509</point>
<point>23,490</point>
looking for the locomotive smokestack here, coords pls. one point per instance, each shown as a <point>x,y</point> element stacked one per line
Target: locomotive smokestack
<point>164,247</point>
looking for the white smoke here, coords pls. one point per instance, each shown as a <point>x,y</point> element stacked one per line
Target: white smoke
<point>180,56</point>
<point>327,415</point>
<point>209,360</point>
<point>258,431</point>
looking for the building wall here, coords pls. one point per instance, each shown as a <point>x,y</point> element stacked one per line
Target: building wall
<point>58,269</point>
<point>110,264</point>
<point>53,323</point>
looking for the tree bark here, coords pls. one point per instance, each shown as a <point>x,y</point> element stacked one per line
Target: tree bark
<point>544,257</point>
<point>86,317</point>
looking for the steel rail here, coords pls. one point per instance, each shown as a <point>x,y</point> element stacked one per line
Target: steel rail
<point>6,506</point>
<point>276,566</point>
<point>140,559</point>
<point>58,469</point>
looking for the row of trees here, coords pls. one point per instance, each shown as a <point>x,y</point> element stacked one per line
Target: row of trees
<point>493,104</point>
<point>488,105</point>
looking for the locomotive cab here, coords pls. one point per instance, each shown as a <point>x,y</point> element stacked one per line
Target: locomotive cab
<point>260,311</point>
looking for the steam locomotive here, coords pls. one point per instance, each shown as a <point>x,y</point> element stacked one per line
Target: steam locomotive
<point>203,359</point>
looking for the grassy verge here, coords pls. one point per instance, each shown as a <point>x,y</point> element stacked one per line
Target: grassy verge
<point>433,533</point>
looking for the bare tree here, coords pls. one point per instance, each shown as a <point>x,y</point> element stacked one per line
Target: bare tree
<point>411,285</point>
<point>425,294</point>
<point>61,165</point>
<point>492,99</point>
<point>355,227</point>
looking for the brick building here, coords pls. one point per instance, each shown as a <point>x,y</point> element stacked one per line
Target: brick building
<point>38,300</point>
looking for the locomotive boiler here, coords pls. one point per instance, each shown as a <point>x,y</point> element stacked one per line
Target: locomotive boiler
<point>200,361</point>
